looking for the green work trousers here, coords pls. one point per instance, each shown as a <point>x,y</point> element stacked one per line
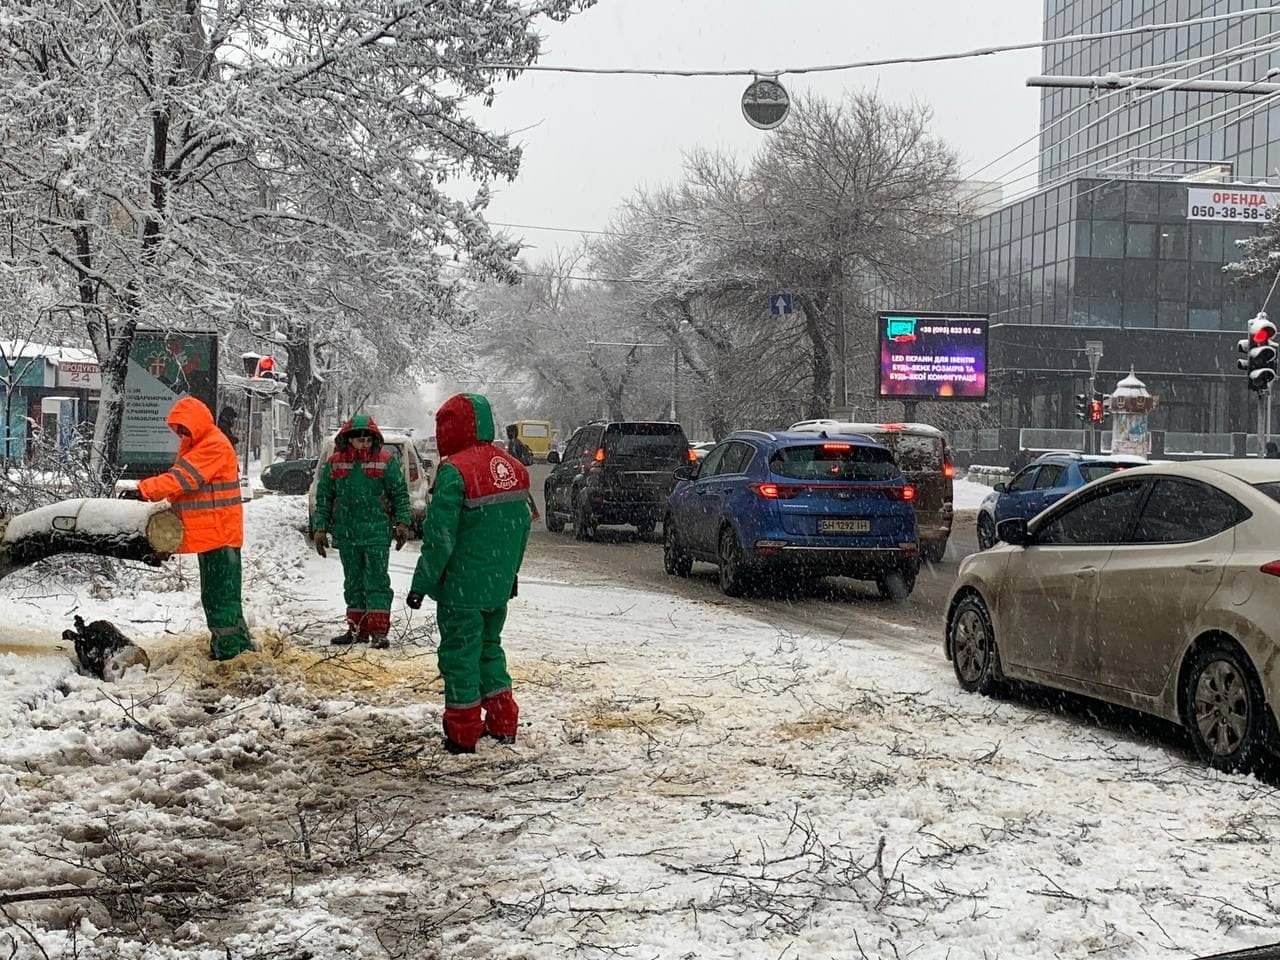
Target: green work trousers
<point>366,586</point>
<point>471,658</point>
<point>220,597</point>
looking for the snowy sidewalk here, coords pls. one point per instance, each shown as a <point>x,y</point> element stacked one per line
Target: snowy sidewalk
<point>689,782</point>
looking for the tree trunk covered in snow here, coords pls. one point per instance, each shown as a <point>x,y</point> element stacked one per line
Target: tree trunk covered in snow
<point>123,529</point>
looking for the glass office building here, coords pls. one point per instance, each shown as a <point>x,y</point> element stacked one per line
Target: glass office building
<point>1113,260</point>
<point>1083,132</point>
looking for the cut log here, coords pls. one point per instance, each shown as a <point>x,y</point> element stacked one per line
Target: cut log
<point>124,529</point>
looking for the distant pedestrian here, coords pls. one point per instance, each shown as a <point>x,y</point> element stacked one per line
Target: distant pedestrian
<point>204,487</point>
<point>1273,451</point>
<point>1020,460</point>
<point>517,447</point>
<point>227,418</point>
<point>362,497</point>
<point>473,542</point>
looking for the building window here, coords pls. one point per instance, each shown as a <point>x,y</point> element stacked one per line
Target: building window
<point>1140,240</point>
<point>1205,318</point>
<point>1206,242</point>
<point>1107,239</point>
<point>1173,241</point>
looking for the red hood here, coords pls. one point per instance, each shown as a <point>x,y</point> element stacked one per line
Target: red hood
<point>463,421</point>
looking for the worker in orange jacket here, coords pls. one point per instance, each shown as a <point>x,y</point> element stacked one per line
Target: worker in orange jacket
<point>203,485</point>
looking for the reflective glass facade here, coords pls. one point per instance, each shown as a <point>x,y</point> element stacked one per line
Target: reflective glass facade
<point>1106,253</point>
<point>1145,132</point>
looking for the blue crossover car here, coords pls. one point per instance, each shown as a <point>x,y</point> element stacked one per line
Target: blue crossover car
<point>772,507</point>
<point>1044,482</point>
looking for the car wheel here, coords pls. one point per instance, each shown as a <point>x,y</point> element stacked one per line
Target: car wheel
<point>733,578</point>
<point>295,483</point>
<point>986,532</point>
<point>675,561</point>
<point>553,521</point>
<point>896,585</point>
<point>646,528</point>
<point>1223,708</point>
<point>933,550</point>
<point>972,642</point>
<point>584,525</point>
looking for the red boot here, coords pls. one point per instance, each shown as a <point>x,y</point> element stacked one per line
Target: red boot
<point>462,728</point>
<point>501,716</point>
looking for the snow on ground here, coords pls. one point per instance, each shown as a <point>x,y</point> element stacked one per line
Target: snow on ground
<point>969,495</point>
<point>690,782</point>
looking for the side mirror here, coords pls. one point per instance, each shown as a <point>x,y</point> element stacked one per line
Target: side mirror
<point>1000,487</point>
<point>687,473</point>
<point>553,457</point>
<point>1013,531</point>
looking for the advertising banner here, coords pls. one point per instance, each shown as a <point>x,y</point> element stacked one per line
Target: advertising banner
<point>1232,204</point>
<point>162,368</point>
<point>933,356</point>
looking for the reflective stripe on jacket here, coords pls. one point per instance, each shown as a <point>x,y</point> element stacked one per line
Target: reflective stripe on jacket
<point>203,484</point>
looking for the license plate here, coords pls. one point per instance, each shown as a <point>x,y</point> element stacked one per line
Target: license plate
<point>844,526</point>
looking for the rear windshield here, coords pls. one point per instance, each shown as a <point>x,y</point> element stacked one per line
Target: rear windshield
<point>1096,471</point>
<point>659,441</point>
<point>834,461</point>
<point>913,453</point>
<point>1271,488</point>
<point>533,429</point>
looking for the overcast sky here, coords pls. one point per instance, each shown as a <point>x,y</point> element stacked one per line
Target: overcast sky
<point>591,140</point>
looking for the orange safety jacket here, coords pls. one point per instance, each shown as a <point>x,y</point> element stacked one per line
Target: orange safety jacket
<point>203,484</point>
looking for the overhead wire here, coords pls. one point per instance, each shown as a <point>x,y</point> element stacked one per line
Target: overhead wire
<point>884,62</point>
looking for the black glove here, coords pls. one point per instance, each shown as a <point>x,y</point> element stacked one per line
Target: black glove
<point>401,534</point>
<point>515,586</point>
<point>413,601</point>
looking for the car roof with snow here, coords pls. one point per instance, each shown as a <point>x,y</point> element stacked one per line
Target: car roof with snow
<point>863,428</point>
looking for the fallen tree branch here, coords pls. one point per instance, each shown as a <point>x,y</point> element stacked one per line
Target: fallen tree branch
<point>99,892</point>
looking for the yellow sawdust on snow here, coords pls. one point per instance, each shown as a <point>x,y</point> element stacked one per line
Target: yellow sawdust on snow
<point>345,673</point>
<point>606,715</point>
<point>813,725</point>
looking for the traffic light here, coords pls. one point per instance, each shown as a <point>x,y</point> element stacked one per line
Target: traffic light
<point>1082,407</point>
<point>266,369</point>
<point>1097,411</point>
<point>1260,347</point>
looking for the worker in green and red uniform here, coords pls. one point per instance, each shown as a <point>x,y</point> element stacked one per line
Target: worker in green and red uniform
<point>473,542</point>
<point>363,500</point>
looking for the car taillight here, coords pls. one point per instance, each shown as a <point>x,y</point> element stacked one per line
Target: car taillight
<point>775,491</point>
<point>600,455</point>
<point>906,492</point>
<point>693,457</point>
<point>1272,568</point>
<point>842,447</point>
<point>949,470</point>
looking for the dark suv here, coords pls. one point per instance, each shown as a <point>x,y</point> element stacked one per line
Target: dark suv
<point>616,473</point>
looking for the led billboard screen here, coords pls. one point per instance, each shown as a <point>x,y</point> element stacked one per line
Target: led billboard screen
<point>933,356</point>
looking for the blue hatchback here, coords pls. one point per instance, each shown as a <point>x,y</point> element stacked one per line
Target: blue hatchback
<point>768,506</point>
<point>1043,482</point>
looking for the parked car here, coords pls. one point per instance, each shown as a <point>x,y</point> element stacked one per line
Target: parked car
<point>615,473</point>
<point>782,506</point>
<point>924,456</point>
<point>289,476</point>
<point>1043,482</point>
<point>418,474</point>
<point>1155,588</point>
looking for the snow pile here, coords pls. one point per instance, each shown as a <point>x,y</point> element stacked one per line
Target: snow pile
<point>969,495</point>
<point>690,781</point>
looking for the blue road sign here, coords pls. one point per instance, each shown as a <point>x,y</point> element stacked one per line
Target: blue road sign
<point>780,303</point>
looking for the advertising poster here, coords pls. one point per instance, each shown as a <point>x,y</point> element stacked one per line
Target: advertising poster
<point>162,368</point>
<point>926,356</point>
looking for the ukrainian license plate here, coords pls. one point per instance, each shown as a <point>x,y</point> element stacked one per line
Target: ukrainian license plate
<point>844,526</point>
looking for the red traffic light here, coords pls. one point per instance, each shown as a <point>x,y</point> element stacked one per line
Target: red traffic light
<point>1260,335</point>
<point>1096,412</point>
<point>266,368</point>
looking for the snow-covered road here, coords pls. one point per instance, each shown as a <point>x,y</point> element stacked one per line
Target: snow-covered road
<point>690,782</point>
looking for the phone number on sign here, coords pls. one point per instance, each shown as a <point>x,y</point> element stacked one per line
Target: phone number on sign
<point>1231,213</point>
